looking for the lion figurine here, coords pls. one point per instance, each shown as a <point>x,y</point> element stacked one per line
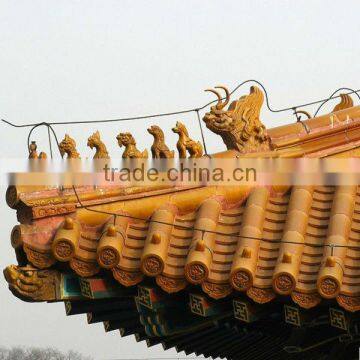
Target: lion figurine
<point>68,146</point>
<point>131,151</point>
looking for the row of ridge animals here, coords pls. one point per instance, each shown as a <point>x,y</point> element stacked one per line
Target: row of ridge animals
<point>158,149</point>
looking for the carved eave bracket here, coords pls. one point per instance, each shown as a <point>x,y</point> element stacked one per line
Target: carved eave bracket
<point>31,284</point>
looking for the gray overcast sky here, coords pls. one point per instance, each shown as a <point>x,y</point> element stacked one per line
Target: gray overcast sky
<point>84,60</point>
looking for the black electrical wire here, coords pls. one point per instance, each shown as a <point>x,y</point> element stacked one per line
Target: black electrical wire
<point>197,110</point>
<point>331,97</point>
<point>293,108</point>
<point>50,145</point>
<point>186,111</point>
<point>202,132</point>
<point>49,128</point>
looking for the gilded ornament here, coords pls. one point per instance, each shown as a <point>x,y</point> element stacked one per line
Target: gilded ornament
<point>41,260</point>
<point>241,280</point>
<point>260,296</point>
<point>152,265</point>
<point>84,268</point>
<point>216,291</point>
<point>108,257</point>
<point>328,287</point>
<point>349,303</point>
<point>306,301</point>
<point>283,283</point>
<point>196,272</point>
<point>127,278</point>
<point>171,285</point>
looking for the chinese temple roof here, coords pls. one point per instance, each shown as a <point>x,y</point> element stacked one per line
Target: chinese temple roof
<point>241,249</point>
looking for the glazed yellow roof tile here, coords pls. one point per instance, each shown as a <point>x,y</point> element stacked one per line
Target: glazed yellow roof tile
<point>294,243</point>
<point>255,240</point>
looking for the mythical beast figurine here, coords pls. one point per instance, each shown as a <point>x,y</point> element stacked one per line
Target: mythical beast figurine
<point>131,151</point>
<point>159,148</point>
<point>33,152</point>
<point>94,141</point>
<point>239,126</point>
<point>68,146</point>
<point>31,284</point>
<point>185,143</point>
